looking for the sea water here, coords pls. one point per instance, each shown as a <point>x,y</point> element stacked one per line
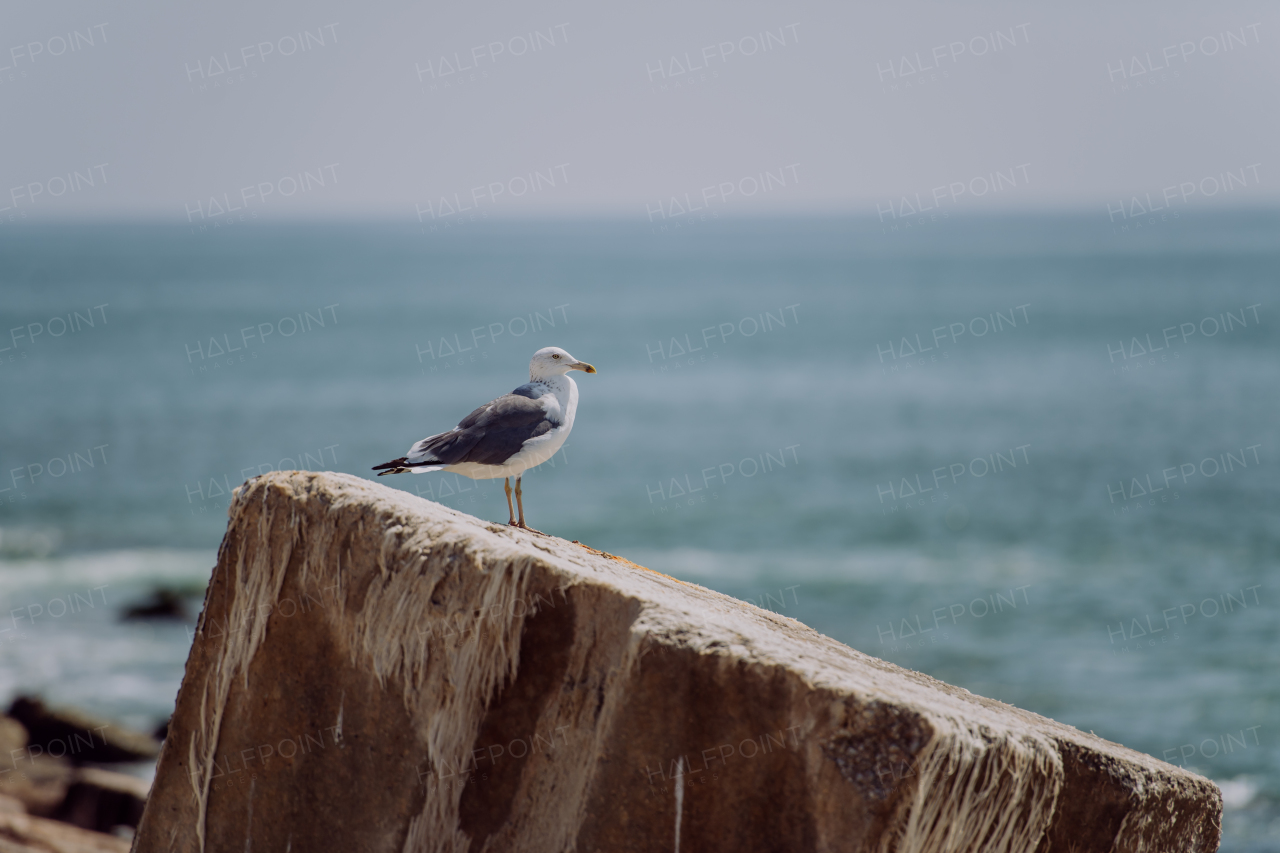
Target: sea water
<point>1033,456</point>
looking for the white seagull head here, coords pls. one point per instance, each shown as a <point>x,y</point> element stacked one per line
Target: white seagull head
<point>553,361</point>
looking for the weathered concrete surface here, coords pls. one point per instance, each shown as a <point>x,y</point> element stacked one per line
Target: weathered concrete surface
<point>375,672</point>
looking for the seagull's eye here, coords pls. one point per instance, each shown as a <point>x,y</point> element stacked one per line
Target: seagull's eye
<point>555,356</point>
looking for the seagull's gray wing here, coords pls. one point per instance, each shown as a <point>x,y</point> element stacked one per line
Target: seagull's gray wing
<point>490,435</point>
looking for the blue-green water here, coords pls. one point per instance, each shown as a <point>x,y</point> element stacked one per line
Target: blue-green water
<point>1050,444</point>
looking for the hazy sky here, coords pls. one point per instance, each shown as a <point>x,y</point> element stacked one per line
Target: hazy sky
<point>172,109</point>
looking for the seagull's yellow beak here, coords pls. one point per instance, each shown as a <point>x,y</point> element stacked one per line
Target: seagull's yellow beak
<point>583,366</point>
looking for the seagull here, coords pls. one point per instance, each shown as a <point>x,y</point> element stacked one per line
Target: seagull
<point>508,436</point>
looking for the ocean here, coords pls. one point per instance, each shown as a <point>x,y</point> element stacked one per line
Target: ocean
<point>1033,456</point>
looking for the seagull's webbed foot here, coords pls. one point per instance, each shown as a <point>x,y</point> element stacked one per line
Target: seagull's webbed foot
<point>525,527</point>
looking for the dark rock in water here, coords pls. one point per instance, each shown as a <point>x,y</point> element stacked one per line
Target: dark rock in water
<point>39,783</point>
<point>77,736</point>
<point>163,604</point>
<point>13,737</point>
<point>32,778</point>
<point>22,833</point>
<point>35,786</point>
<point>161,731</point>
<point>376,672</point>
<point>102,800</point>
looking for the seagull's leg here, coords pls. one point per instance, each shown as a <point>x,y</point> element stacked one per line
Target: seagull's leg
<point>520,504</point>
<point>506,483</point>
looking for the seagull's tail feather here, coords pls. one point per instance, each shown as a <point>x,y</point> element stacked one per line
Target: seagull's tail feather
<point>404,466</point>
<point>433,453</point>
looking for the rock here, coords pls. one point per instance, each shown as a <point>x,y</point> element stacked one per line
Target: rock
<point>161,731</point>
<point>79,736</point>
<point>20,833</point>
<point>13,736</point>
<point>38,782</point>
<point>48,786</point>
<point>375,672</point>
<point>103,800</point>
<point>163,604</point>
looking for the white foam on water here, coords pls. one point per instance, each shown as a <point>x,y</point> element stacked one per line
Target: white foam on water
<point>1237,793</point>
<point>988,566</point>
<point>62,636</point>
<point>91,569</point>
